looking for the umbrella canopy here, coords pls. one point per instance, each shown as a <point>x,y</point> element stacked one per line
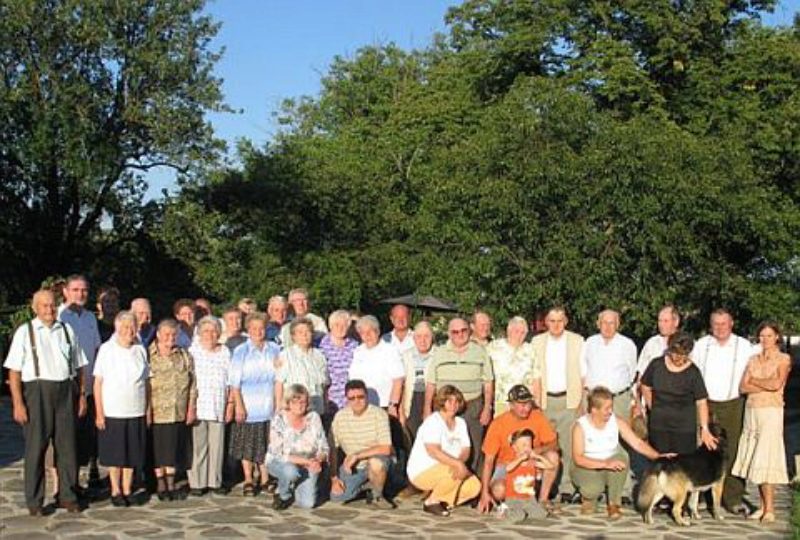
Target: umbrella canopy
<point>425,302</point>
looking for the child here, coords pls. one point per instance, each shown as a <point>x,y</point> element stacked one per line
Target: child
<point>516,495</point>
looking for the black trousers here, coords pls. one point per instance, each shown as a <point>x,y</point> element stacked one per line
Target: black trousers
<point>472,416</point>
<point>51,415</point>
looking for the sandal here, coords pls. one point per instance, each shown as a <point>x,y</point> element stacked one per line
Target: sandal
<point>248,490</point>
<point>437,509</point>
<point>553,509</point>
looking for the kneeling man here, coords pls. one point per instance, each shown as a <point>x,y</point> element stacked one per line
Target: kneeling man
<point>362,431</point>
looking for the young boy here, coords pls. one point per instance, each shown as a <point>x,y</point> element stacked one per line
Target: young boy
<point>516,495</point>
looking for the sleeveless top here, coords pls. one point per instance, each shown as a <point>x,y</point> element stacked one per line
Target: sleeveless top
<point>599,443</point>
<point>762,370</point>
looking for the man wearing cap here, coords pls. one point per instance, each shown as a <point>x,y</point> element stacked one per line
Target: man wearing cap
<point>497,451</point>
<point>465,365</point>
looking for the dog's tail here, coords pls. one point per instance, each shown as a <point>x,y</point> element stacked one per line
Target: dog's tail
<point>649,488</point>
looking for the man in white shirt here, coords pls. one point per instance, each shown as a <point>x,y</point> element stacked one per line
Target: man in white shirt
<point>401,337</point>
<point>379,365</point>
<point>44,363</point>
<point>83,323</point>
<point>559,391</point>
<point>669,320</point>
<point>722,358</point>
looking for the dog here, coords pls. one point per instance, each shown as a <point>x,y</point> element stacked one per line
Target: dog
<point>685,476</point>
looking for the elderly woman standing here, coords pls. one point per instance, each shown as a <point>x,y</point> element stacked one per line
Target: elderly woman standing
<point>252,385</point>
<point>598,460</point>
<point>438,458</point>
<point>338,349</point>
<point>297,450</point>
<point>174,396</point>
<point>122,404</point>
<point>212,362</point>
<point>300,363</point>
<point>761,457</point>
<point>513,363</point>
<point>415,361</point>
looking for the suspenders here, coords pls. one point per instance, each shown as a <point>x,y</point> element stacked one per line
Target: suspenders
<point>36,355</point>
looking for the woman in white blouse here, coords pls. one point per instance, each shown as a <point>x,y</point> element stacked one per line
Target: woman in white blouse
<point>438,458</point>
<point>122,401</point>
<point>214,409</point>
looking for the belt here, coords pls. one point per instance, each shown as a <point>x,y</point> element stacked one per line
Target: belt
<point>621,391</point>
<point>557,394</point>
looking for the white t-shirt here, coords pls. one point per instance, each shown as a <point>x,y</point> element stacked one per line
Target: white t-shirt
<point>434,431</point>
<point>599,443</point>
<point>378,367</point>
<point>125,372</point>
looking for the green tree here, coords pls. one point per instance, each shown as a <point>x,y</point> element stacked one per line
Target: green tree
<point>93,95</point>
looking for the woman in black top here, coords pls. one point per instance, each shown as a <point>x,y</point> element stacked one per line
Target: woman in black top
<point>676,396</point>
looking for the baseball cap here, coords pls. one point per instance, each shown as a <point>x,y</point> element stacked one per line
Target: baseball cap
<point>519,393</point>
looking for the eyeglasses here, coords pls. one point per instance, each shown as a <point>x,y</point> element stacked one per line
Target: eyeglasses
<point>359,397</point>
<point>459,331</point>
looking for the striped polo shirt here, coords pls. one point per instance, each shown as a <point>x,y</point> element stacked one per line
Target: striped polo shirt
<point>356,433</point>
<point>466,370</point>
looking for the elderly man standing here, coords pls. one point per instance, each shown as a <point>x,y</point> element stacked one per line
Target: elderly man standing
<point>416,362</point>
<point>378,364</point>
<point>146,330</point>
<point>481,327</point>
<point>301,307</point>
<point>669,320</point>
<point>362,431</point>
<point>559,389</point>
<point>512,361</point>
<point>44,362</point>
<point>722,359</point>
<point>277,309</point>
<point>464,364</point>
<point>401,337</point>
<point>83,323</point>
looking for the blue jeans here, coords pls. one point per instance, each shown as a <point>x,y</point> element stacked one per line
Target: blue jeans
<point>354,481</point>
<point>291,476</point>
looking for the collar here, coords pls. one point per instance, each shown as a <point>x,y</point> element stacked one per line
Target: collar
<point>38,324</point>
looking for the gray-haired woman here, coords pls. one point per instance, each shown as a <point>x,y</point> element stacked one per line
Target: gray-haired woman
<point>297,449</point>
<point>301,363</point>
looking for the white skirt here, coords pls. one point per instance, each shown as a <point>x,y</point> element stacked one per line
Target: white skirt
<point>762,457</point>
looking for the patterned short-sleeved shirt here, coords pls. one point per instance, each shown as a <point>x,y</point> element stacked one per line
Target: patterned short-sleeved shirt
<point>211,370</point>
<point>253,373</point>
<point>172,384</point>
<point>339,360</point>
<point>512,365</point>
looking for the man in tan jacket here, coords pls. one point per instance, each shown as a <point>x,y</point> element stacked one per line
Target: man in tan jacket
<point>559,391</point>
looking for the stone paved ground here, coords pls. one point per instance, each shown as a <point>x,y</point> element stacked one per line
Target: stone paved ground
<point>234,516</point>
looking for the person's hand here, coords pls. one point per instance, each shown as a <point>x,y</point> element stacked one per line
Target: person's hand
<point>636,410</point>
<point>191,416</point>
<point>241,414</point>
<point>313,466</point>
<point>486,416</point>
<point>708,439</point>
<point>21,414</point>
<point>392,410</point>
<point>149,417</point>
<point>349,462</point>
<point>460,471</point>
<point>615,465</point>
<point>486,503</point>
<point>100,422</point>
<point>82,408</point>
<point>228,415</point>
<point>668,455</point>
<point>337,486</point>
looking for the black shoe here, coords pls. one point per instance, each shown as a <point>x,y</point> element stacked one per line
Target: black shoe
<point>163,496</point>
<point>221,490</point>
<point>178,495</point>
<point>626,501</point>
<point>571,498</point>
<point>197,492</point>
<point>280,504</point>
<point>119,501</point>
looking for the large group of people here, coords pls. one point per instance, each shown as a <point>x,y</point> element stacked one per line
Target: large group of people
<point>310,410</point>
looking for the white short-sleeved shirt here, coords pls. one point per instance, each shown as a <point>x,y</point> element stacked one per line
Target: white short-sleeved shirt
<point>434,430</point>
<point>722,366</point>
<point>58,360</point>
<point>124,373</point>
<point>84,325</point>
<point>653,348</point>
<point>611,364</point>
<point>378,367</point>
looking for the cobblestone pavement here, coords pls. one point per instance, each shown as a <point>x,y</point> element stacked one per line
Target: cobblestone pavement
<point>234,516</point>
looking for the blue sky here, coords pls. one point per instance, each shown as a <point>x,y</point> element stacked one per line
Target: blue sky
<point>275,49</point>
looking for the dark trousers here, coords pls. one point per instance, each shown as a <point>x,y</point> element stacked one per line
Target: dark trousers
<point>472,416</point>
<point>87,437</point>
<point>51,415</point>
<point>729,415</point>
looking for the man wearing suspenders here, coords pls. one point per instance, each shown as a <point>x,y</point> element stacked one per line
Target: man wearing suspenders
<point>45,362</point>
<point>722,358</point>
